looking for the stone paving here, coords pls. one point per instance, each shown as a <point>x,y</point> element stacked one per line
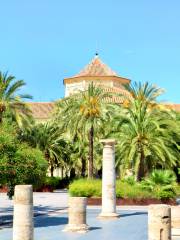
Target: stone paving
<point>131,225</point>
<point>51,218</point>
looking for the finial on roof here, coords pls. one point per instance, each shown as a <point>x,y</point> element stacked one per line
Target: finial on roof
<point>96,54</point>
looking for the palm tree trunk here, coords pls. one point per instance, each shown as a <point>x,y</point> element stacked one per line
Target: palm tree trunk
<point>83,167</point>
<point>140,174</point>
<point>1,117</point>
<point>52,170</point>
<point>91,144</point>
<point>62,172</point>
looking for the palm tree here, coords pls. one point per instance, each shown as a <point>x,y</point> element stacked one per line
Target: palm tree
<point>145,131</point>
<point>48,138</point>
<point>12,103</point>
<point>80,151</point>
<point>84,112</point>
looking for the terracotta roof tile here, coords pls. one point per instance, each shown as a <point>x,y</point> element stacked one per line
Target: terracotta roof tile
<point>96,68</point>
<point>41,110</point>
<point>175,107</point>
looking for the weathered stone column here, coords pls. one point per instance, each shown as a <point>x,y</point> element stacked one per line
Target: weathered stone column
<point>175,221</point>
<point>159,222</point>
<point>77,215</point>
<point>108,180</point>
<point>23,227</point>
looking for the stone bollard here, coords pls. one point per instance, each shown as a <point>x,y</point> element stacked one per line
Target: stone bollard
<point>175,221</point>
<point>23,227</point>
<point>108,180</point>
<point>77,215</point>
<point>159,222</point>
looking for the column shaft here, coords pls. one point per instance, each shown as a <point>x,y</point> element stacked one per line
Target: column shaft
<point>23,228</point>
<point>108,180</point>
<point>159,222</point>
<point>77,215</point>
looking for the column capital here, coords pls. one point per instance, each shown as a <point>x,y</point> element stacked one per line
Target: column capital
<point>108,141</point>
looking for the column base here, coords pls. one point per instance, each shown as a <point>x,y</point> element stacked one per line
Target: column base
<point>108,215</point>
<point>82,228</point>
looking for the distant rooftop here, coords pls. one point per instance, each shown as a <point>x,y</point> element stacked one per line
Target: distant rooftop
<point>96,68</point>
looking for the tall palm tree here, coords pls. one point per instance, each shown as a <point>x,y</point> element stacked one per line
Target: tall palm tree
<point>48,138</point>
<point>84,112</point>
<point>145,131</point>
<point>11,102</point>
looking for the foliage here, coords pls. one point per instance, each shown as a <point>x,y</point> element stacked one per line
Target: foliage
<point>85,188</point>
<point>160,177</point>
<point>48,138</point>
<point>84,113</point>
<point>53,182</point>
<point>11,103</point>
<point>92,188</point>
<point>19,163</point>
<point>162,182</point>
<point>130,180</point>
<point>127,190</point>
<point>145,132</point>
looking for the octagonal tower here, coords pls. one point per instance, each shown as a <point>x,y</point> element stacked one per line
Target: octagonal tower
<point>99,73</point>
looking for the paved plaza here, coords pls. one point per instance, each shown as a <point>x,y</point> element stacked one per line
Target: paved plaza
<point>51,217</point>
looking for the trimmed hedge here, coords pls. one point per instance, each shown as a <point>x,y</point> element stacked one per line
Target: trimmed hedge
<point>92,188</point>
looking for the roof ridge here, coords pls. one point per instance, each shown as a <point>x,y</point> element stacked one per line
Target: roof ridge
<point>96,67</point>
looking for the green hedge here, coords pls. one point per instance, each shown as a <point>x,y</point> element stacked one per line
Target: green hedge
<point>124,189</point>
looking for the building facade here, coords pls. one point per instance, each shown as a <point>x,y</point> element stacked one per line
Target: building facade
<point>97,72</point>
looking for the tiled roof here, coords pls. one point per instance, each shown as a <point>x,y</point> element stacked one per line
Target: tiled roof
<point>175,107</point>
<point>41,110</point>
<point>96,68</point>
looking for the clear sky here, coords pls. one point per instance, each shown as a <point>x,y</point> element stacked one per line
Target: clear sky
<point>44,41</point>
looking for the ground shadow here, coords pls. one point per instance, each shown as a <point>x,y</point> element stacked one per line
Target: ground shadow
<point>6,214</point>
<point>94,228</point>
<point>132,214</point>
<point>48,221</point>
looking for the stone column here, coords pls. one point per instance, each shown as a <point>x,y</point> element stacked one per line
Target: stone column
<point>159,222</point>
<point>175,221</point>
<point>23,227</point>
<point>108,180</point>
<point>77,215</point>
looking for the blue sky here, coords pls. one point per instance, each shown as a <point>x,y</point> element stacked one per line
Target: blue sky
<point>44,41</point>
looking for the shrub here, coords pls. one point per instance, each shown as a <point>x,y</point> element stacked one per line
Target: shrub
<point>92,188</point>
<point>126,190</point>
<point>53,182</point>
<point>85,188</point>
<point>130,180</point>
<point>19,163</point>
<point>161,183</point>
<point>163,194</point>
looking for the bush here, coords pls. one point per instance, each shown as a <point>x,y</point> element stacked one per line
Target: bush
<point>126,190</point>
<point>161,183</point>
<point>163,194</point>
<point>92,188</point>
<point>53,182</point>
<point>19,163</point>
<point>130,180</point>
<point>85,188</point>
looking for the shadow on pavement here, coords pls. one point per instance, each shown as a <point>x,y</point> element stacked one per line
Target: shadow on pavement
<point>48,221</point>
<point>133,214</point>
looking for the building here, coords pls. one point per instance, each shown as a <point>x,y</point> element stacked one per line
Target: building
<point>96,71</point>
<point>99,73</point>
